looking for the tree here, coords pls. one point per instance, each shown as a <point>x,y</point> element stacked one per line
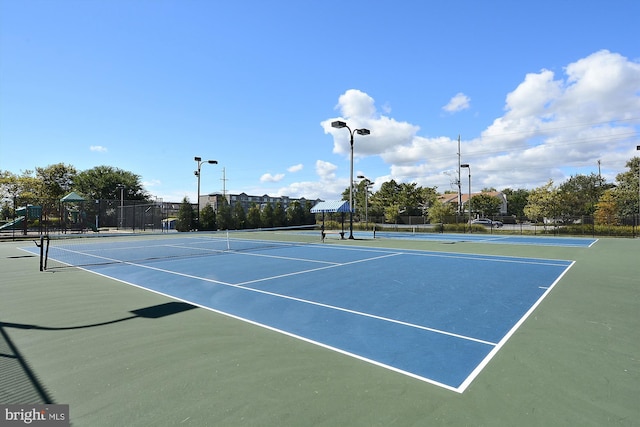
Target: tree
<point>411,198</point>
<point>429,197</point>
<point>541,203</point>
<point>385,197</point>
<point>309,218</point>
<point>279,216</point>
<point>208,218</point>
<point>516,201</point>
<point>254,219</point>
<point>295,213</point>
<point>485,204</point>
<point>104,182</point>
<point>626,192</point>
<point>186,217</point>
<point>224,218</point>
<point>607,209</point>
<point>55,182</point>
<point>438,212</point>
<point>581,193</point>
<point>239,217</point>
<point>267,216</point>
<point>21,190</point>
<point>391,213</point>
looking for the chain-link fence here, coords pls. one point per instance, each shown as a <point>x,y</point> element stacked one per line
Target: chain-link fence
<point>80,216</point>
<point>585,225</point>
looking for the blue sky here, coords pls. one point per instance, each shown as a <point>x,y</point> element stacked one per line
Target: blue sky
<point>537,90</point>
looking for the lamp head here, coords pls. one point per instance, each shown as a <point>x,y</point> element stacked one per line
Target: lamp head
<point>212,162</point>
<point>464,165</point>
<point>338,124</point>
<point>363,131</point>
<point>197,159</point>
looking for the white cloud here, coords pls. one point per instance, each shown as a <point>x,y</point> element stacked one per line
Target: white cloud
<point>458,103</point>
<point>359,111</point>
<point>267,177</point>
<point>295,168</point>
<point>328,186</point>
<point>98,148</point>
<point>553,126</point>
<point>325,170</point>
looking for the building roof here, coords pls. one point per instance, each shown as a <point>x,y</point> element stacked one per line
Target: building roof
<point>453,197</point>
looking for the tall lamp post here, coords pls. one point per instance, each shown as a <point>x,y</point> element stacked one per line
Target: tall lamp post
<point>338,125</point>
<point>467,166</point>
<point>121,188</point>
<point>638,149</point>
<point>367,184</point>
<point>199,161</point>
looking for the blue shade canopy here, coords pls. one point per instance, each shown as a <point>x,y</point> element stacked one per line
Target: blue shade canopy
<point>331,206</point>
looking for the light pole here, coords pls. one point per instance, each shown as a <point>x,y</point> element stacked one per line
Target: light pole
<point>638,222</point>
<point>121,188</point>
<point>468,166</point>
<point>339,124</point>
<point>367,185</point>
<point>199,161</point>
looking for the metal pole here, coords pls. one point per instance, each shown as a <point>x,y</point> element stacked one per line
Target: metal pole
<point>198,211</point>
<point>468,166</point>
<point>459,182</point>
<point>366,203</point>
<point>121,205</point>
<point>470,229</point>
<point>351,191</point>
<point>199,162</point>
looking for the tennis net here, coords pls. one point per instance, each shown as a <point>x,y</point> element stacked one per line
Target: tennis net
<point>61,251</point>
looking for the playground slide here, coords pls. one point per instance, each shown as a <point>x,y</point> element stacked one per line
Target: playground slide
<point>12,224</point>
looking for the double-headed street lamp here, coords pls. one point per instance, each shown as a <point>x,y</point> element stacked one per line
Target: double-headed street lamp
<point>340,124</point>
<point>197,173</point>
<point>467,166</point>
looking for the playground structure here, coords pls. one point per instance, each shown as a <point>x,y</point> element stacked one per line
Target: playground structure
<point>23,216</point>
<point>74,213</point>
<point>71,212</point>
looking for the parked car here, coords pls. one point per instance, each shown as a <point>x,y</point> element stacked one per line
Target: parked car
<point>487,222</point>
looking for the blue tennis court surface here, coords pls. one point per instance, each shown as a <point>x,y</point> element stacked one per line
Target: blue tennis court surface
<point>438,317</point>
<point>581,242</point>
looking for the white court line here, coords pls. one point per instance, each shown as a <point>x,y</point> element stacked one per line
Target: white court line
<point>493,258</point>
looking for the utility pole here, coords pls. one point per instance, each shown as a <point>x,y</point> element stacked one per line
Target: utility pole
<point>224,182</point>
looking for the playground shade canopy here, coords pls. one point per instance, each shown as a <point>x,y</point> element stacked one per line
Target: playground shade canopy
<point>72,197</point>
<point>331,206</point>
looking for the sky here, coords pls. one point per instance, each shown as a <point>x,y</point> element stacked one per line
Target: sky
<point>534,90</point>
